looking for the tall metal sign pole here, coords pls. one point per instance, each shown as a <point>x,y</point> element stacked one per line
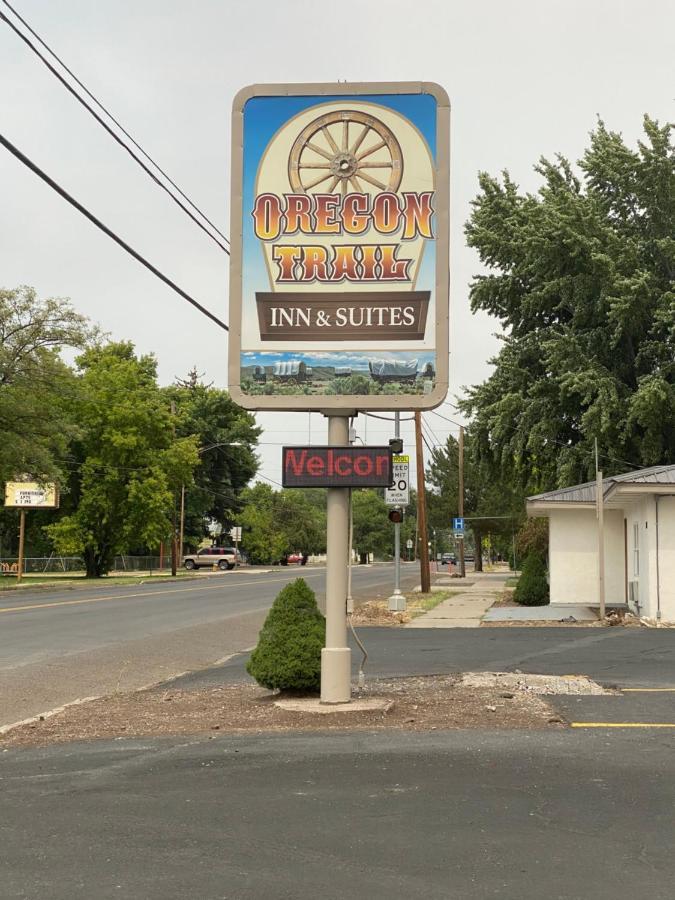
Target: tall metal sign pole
<point>339,274</point>
<point>398,496</point>
<point>336,655</point>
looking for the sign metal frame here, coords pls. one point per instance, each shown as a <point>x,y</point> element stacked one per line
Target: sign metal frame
<point>342,402</point>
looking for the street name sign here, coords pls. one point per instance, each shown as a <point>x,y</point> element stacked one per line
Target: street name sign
<point>336,467</point>
<point>399,493</point>
<point>340,236</point>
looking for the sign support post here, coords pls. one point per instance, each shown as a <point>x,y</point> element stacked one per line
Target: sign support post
<point>336,655</point>
<point>397,600</point>
<point>22,535</point>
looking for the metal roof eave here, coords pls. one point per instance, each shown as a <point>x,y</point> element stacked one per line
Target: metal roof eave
<point>544,507</point>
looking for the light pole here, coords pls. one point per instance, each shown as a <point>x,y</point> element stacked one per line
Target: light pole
<point>182,490</point>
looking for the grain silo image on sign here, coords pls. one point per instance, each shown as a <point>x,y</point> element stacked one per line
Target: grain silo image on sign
<point>338,290</point>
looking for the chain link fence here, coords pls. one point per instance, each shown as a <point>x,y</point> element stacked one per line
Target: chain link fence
<point>62,565</point>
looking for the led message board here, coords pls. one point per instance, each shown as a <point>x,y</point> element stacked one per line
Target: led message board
<point>341,467</point>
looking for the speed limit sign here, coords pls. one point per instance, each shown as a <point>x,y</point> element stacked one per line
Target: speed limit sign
<point>399,493</point>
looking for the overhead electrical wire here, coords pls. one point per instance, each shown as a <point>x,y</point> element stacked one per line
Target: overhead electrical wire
<point>432,432</point>
<point>445,418</point>
<point>110,131</point>
<point>111,234</point>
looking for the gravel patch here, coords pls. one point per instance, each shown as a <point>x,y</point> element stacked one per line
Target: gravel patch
<point>417,704</point>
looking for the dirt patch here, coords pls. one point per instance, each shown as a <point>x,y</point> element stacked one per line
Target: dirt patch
<point>377,612</point>
<point>418,704</point>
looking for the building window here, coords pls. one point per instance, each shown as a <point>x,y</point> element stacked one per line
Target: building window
<point>636,548</point>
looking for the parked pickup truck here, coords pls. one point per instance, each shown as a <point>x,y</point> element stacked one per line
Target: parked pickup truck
<point>223,557</point>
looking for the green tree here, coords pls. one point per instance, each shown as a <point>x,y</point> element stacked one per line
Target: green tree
<point>373,532</point>
<point>128,463</point>
<point>262,538</point>
<point>36,387</point>
<point>36,394</point>
<point>288,654</point>
<point>532,588</point>
<point>581,279</point>
<point>491,504</point>
<point>227,436</point>
<point>532,538</point>
<point>278,522</point>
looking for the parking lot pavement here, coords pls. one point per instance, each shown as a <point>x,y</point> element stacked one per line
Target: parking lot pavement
<point>627,657</point>
<point>638,708</point>
<point>441,815</point>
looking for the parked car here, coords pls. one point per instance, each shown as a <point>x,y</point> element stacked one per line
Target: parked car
<point>223,557</point>
<point>292,559</point>
<point>447,558</point>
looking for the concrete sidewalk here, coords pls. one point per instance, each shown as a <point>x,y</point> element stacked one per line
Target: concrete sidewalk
<point>467,607</point>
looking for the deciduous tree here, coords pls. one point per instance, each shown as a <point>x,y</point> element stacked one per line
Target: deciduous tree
<point>580,276</point>
<point>128,462</point>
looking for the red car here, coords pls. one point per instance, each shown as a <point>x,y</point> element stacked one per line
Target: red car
<point>297,559</point>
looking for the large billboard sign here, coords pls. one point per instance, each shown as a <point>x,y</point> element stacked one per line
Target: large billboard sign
<point>342,467</point>
<point>339,268</point>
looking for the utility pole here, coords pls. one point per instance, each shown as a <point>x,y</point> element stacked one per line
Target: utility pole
<point>600,510</point>
<point>425,578</point>
<point>460,500</point>
<point>181,540</point>
<point>397,600</point>
<point>174,548</point>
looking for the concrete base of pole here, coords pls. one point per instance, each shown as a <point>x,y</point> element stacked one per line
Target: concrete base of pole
<point>336,674</point>
<point>397,602</point>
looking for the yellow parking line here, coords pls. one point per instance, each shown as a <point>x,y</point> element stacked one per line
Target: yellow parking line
<point>622,724</point>
<point>142,594</point>
<point>648,690</point>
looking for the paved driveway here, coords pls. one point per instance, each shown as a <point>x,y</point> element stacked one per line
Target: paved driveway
<point>566,815</point>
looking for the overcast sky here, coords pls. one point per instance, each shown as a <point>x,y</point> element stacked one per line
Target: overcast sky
<point>524,78</point>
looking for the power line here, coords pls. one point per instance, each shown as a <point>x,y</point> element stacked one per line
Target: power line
<point>433,434</point>
<point>386,418</point>
<point>110,131</point>
<point>446,419</point>
<point>104,228</point>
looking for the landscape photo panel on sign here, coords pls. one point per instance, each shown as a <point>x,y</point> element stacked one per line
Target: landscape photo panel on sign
<point>339,237</point>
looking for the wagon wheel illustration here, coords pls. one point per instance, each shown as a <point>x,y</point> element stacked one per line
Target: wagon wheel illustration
<point>348,153</point>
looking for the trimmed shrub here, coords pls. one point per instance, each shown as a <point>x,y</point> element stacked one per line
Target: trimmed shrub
<point>288,654</point>
<point>532,587</point>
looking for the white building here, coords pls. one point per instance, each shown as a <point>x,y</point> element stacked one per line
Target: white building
<point>639,541</point>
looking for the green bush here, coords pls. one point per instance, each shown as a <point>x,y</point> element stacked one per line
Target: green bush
<point>532,587</point>
<point>288,655</point>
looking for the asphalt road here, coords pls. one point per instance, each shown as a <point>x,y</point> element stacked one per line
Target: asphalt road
<point>565,815</point>
<point>57,646</point>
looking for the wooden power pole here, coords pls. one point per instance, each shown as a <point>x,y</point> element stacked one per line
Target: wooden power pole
<point>460,500</point>
<point>425,578</point>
